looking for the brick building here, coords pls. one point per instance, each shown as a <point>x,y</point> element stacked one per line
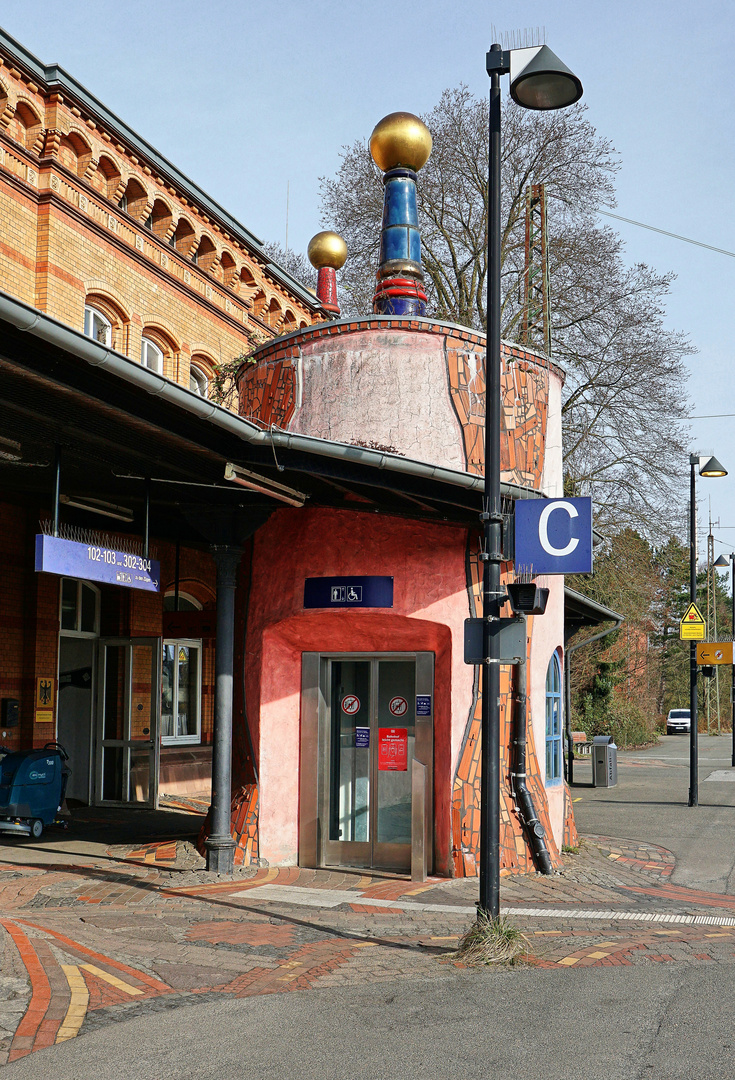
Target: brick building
<point>352,475</point>
<point>100,232</point>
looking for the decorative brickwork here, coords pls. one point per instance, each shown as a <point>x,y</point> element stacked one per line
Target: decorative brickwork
<point>244,824</point>
<point>515,851</point>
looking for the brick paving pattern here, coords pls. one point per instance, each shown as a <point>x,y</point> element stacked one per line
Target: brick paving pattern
<point>83,944</point>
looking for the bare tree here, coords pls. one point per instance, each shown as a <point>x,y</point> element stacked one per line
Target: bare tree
<point>294,262</point>
<point>624,393</point>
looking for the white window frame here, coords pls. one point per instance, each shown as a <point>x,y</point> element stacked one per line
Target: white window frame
<point>77,633</point>
<point>184,740</point>
<point>149,350</point>
<point>91,315</point>
<point>196,375</point>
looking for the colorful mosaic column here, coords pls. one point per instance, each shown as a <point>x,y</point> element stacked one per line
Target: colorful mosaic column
<point>400,146</point>
<point>327,252</point>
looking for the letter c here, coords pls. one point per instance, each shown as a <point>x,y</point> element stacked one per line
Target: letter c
<point>543,529</point>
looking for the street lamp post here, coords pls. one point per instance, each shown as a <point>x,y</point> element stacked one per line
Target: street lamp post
<point>708,467</point>
<point>539,80</point>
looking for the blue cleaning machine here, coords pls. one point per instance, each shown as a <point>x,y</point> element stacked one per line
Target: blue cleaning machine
<point>32,789</point>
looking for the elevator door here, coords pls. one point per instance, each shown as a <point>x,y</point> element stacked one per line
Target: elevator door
<point>370,736</point>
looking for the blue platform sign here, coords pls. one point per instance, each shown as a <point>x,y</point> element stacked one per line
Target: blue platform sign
<point>93,563</point>
<point>348,592</point>
<point>554,536</point>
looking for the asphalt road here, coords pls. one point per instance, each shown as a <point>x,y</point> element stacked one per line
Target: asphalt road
<point>609,1024</point>
<point>650,803</point>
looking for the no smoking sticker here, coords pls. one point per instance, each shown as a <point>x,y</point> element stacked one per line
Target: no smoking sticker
<point>350,704</point>
<point>398,706</point>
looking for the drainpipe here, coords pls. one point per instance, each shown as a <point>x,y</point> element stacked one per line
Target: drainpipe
<point>521,794</point>
<point>568,693</point>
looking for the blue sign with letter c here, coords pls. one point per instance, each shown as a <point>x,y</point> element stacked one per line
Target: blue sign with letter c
<point>554,536</point>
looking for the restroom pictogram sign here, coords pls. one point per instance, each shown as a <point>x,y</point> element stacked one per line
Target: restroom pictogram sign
<point>393,749</point>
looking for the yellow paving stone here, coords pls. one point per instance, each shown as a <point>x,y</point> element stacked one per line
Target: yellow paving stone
<point>597,955</point>
<point>112,980</point>
<point>547,933</point>
<point>569,960</point>
<point>78,1003</point>
<point>718,935</point>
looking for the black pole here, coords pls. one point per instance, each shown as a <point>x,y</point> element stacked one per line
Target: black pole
<point>57,486</point>
<point>693,743</point>
<point>177,569</point>
<point>492,521</point>
<point>219,845</point>
<point>146,537</point>
<point>732,684</point>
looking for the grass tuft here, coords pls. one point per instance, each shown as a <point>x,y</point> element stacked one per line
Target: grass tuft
<point>491,941</point>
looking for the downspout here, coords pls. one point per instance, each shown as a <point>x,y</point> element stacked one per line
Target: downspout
<point>521,794</point>
<point>568,693</point>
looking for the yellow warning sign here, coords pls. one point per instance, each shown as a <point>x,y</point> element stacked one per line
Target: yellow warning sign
<point>714,652</point>
<point>692,627</point>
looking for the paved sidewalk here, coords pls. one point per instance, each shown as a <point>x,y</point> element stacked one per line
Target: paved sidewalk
<point>89,941</point>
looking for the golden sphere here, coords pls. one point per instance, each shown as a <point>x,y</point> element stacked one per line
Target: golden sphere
<point>327,249</point>
<point>400,139</point>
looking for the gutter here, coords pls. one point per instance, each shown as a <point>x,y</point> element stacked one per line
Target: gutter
<point>29,320</point>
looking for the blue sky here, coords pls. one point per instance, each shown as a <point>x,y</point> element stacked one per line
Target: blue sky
<point>247,96</point>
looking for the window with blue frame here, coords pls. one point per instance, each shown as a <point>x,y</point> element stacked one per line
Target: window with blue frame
<point>553,721</point>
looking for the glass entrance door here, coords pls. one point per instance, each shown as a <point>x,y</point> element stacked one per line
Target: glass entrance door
<point>128,709</point>
<point>372,730</point>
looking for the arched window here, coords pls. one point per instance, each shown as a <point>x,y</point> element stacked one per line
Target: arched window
<point>97,326</point>
<point>27,127</point>
<point>205,254</point>
<point>106,177</point>
<point>553,721</point>
<point>198,381</point>
<point>159,219</point>
<point>182,238</point>
<point>273,313</point>
<point>74,153</point>
<point>151,356</point>
<point>187,602</point>
<point>80,608</point>
<point>134,199</point>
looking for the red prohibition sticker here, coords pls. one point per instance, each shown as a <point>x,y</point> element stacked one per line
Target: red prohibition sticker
<point>350,704</point>
<point>398,706</point>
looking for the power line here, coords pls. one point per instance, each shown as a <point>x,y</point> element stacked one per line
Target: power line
<point>709,416</point>
<point>665,232</point>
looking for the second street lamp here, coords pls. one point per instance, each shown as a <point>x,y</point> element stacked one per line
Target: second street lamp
<point>708,467</point>
<point>539,80</point>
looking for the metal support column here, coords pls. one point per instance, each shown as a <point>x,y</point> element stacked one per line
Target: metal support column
<point>489,902</point>
<point>220,845</point>
<point>693,726</point>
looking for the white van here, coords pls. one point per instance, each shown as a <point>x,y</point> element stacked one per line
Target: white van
<point>678,721</point>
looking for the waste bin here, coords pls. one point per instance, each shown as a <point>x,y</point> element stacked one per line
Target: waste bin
<point>604,761</point>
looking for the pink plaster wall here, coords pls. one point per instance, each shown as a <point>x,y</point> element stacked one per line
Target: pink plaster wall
<point>381,386</point>
<point>430,605</point>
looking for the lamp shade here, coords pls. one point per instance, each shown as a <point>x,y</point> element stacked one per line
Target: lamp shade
<point>712,467</point>
<point>722,561</point>
<point>545,83</point>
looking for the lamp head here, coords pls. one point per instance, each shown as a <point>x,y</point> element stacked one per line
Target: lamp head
<point>544,82</point>
<point>722,561</point>
<point>712,467</point>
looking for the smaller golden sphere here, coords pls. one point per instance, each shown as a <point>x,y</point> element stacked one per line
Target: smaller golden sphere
<point>400,139</point>
<point>327,249</point>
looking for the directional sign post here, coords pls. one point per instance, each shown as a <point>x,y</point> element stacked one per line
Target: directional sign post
<point>692,626</point>
<point>714,652</point>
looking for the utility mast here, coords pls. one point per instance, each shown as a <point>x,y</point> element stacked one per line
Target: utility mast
<point>536,329</point>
